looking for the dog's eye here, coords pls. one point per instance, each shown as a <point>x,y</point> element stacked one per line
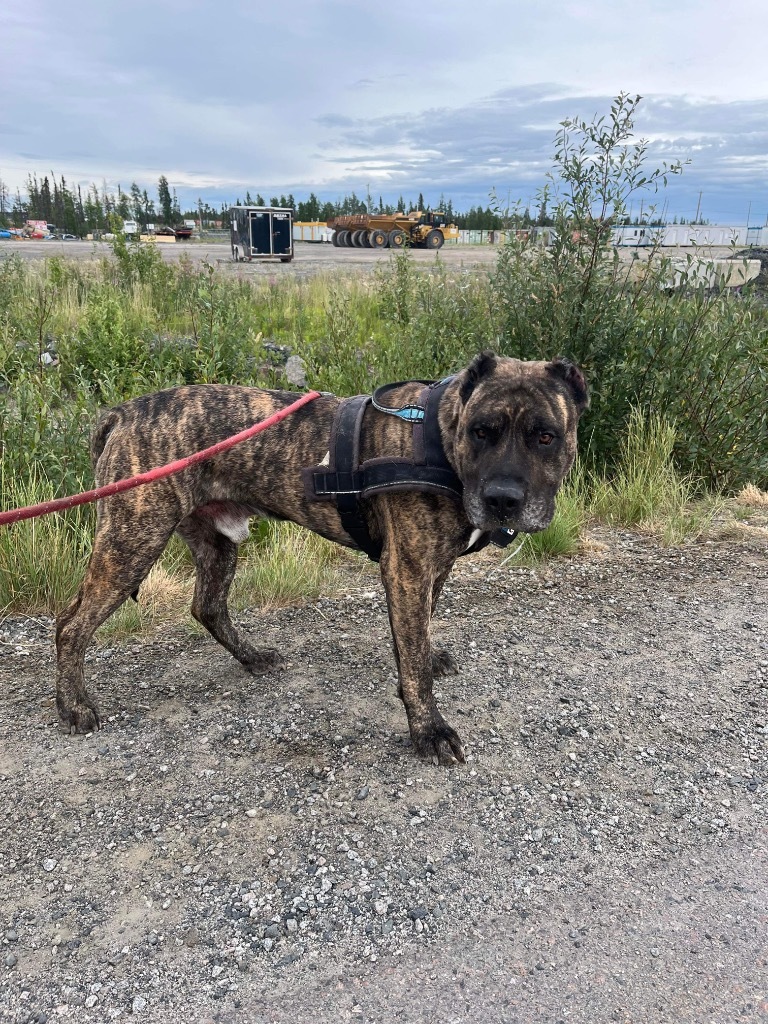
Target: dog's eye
<point>546,438</point>
<point>480,433</point>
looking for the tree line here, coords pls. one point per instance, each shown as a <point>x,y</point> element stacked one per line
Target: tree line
<point>79,211</point>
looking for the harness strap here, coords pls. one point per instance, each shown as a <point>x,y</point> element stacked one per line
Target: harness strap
<point>346,482</point>
<point>343,466</point>
<point>380,475</point>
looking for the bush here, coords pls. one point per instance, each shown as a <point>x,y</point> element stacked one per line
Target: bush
<point>699,356</point>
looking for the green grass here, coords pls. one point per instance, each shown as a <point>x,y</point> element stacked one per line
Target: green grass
<point>645,489</point>
<point>40,559</point>
<point>285,565</point>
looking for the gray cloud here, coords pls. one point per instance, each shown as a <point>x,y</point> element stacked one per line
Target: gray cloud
<point>330,95</point>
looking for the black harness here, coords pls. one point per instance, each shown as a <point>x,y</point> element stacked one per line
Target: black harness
<point>346,482</point>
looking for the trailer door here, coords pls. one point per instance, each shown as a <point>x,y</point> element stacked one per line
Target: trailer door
<point>260,240</point>
<point>281,234</point>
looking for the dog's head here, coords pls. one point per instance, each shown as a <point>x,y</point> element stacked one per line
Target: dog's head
<point>509,429</point>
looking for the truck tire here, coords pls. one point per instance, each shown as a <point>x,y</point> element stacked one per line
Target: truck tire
<point>335,239</point>
<point>397,238</point>
<point>378,239</point>
<point>349,239</point>
<point>357,239</point>
<point>341,238</point>
<point>434,239</point>
<point>365,239</point>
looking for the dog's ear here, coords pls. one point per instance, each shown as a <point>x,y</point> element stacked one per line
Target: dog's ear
<point>574,378</point>
<point>481,366</point>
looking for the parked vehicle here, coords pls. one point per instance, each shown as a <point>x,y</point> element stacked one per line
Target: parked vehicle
<point>380,231</point>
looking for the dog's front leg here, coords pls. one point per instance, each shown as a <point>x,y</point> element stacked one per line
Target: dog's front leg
<point>409,585</point>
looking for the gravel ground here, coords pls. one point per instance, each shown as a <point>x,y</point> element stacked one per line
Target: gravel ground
<point>310,257</point>
<point>238,850</point>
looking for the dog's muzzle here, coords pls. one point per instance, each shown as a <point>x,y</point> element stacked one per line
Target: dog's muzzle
<point>504,499</point>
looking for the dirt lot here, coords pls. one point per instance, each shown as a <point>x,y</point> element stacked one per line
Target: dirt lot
<point>311,257</point>
<point>263,851</point>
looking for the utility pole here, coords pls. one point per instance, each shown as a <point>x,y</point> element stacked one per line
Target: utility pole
<point>698,210</point>
<point>749,211</point>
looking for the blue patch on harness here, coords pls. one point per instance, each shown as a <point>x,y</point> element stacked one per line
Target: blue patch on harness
<point>413,413</point>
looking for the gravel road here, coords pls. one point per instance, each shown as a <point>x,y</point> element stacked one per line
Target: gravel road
<point>237,850</point>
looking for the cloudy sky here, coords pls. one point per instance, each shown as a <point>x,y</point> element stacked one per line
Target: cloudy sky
<point>430,96</point>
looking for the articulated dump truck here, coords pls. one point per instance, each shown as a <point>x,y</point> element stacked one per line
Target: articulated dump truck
<point>379,231</point>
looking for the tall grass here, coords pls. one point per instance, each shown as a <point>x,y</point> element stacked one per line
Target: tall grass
<point>646,490</point>
<point>40,559</point>
<point>285,565</point>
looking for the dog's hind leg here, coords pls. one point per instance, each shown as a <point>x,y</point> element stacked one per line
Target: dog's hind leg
<point>215,558</point>
<point>120,561</point>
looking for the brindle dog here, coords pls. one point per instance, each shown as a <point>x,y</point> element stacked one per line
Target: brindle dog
<point>508,429</point>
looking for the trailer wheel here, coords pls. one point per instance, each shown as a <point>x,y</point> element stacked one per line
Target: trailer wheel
<point>341,238</point>
<point>365,239</point>
<point>397,238</point>
<point>357,239</point>
<point>434,239</point>
<point>349,239</point>
<point>377,239</point>
<point>335,239</point>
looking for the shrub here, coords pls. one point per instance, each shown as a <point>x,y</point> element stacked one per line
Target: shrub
<point>700,356</point>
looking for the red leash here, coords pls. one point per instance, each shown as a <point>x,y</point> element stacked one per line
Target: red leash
<point>32,511</point>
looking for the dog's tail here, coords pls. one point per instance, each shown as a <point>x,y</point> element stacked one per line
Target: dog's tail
<point>99,437</point>
<point>106,424</point>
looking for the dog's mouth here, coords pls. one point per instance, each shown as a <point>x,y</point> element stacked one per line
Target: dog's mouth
<point>531,517</point>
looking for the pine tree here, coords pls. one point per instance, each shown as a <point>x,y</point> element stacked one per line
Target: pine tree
<point>33,192</point>
<point>4,203</point>
<point>46,205</point>
<point>164,201</point>
<point>137,206</point>
<point>123,208</point>
<point>147,208</point>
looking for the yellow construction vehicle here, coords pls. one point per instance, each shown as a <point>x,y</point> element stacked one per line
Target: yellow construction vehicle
<point>380,231</point>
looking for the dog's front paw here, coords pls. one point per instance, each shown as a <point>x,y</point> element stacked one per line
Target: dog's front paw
<point>260,662</point>
<point>436,741</point>
<point>443,663</point>
<point>79,717</point>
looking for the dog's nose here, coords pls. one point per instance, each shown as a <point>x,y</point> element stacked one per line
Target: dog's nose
<point>504,497</point>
